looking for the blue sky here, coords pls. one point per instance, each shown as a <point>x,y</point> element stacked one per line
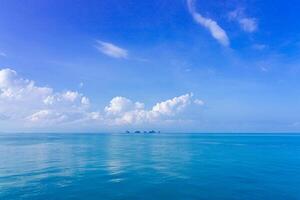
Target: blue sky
<point>185,65</point>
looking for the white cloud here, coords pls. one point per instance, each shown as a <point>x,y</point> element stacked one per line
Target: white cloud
<point>122,111</point>
<point>23,102</point>
<point>3,54</point>
<point>264,69</point>
<point>259,46</point>
<point>216,31</point>
<point>247,24</point>
<point>199,102</point>
<point>70,96</point>
<point>85,101</point>
<point>171,106</point>
<point>94,116</point>
<point>21,99</point>
<point>47,115</point>
<point>120,105</point>
<point>111,50</point>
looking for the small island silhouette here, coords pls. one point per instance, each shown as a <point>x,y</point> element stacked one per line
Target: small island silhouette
<point>152,131</point>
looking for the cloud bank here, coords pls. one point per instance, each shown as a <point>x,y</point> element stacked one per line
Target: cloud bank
<point>23,103</point>
<point>216,31</point>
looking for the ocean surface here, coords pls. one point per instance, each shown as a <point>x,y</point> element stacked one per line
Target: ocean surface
<point>143,166</point>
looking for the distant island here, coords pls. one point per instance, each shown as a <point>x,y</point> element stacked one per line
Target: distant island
<point>152,131</point>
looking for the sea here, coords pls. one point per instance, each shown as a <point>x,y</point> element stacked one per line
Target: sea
<point>50,166</point>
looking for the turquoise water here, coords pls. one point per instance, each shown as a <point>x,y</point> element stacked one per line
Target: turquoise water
<point>159,166</point>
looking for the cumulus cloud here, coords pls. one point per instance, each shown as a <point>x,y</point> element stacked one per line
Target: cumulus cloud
<point>22,101</point>
<point>70,96</point>
<point>171,106</point>
<point>121,104</point>
<point>123,111</point>
<point>111,50</point>
<point>216,31</point>
<point>247,24</point>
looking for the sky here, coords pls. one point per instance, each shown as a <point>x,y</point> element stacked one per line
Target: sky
<point>173,66</point>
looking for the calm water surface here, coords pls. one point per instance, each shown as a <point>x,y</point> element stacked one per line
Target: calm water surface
<point>159,166</point>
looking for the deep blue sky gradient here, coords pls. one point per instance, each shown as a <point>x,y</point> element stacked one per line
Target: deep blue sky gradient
<point>53,42</point>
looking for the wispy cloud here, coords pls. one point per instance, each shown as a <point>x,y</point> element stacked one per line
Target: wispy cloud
<point>3,54</point>
<point>247,24</point>
<point>216,31</point>
<point>111,50</point>
<point>259,46</point>
<point>80,85</point>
